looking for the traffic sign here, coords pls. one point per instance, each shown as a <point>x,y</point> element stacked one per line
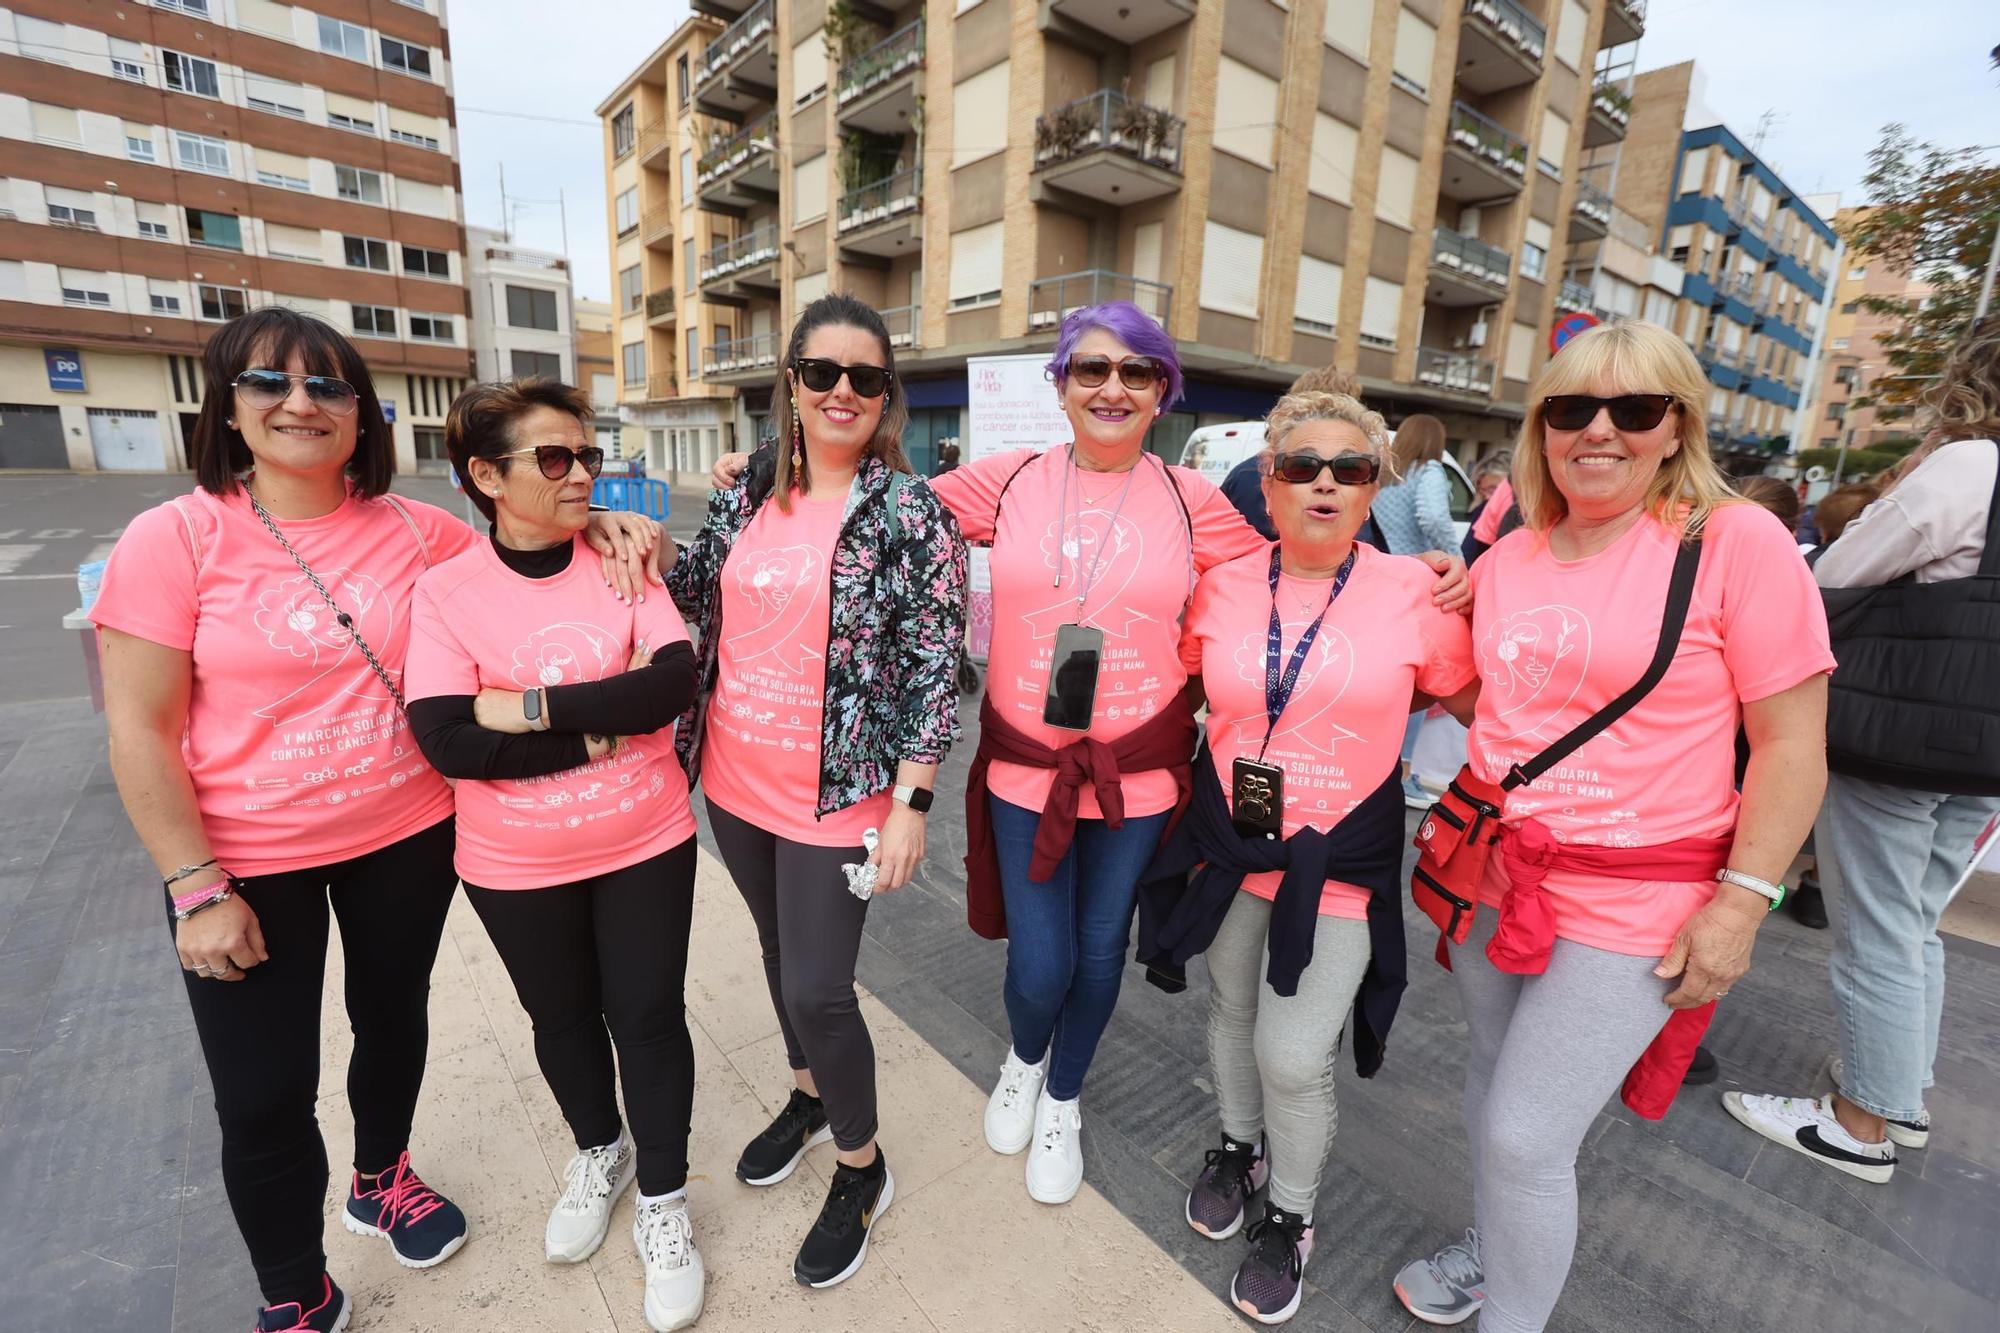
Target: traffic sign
<point>1568,326</point>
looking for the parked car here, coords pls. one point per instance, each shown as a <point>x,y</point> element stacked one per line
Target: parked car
<point>1214,450</point>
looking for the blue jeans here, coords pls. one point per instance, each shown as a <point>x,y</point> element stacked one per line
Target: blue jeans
<point>1067,935</point>
<point>1888,858</point>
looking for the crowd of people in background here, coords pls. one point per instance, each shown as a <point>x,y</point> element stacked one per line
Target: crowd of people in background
<point>327,702</point>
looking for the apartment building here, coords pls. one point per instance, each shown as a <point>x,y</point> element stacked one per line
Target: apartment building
<point>166,166</point>
<point>596,371</point>
<point>1616,270</point>
<point>1386,185</point>
<point>523,322</point>
<point>1853,358</point>
<point>1757,262</point>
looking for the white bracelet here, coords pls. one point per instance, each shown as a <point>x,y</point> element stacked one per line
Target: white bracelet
<point>1763,888</point>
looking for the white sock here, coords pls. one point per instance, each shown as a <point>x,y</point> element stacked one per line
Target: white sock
<point>671,1196</point>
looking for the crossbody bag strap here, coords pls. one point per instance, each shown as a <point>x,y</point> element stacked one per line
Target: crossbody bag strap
<point>423,547</point>
<point>1680,592</point>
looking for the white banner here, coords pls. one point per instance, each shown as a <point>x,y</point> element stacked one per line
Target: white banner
<point>1011,404</point>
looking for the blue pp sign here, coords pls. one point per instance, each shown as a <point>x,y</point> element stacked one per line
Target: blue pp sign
<point>1568,327</point>
<point>65,369</point>
<point>388,409</point>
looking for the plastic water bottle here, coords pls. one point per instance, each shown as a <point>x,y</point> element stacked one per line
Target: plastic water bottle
<point>89,578</point>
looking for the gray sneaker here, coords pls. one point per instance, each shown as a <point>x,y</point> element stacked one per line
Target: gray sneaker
<point>1447,1288</point>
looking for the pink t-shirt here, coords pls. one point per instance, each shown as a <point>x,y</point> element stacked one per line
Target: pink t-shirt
<point>479,625</point>
<point>1341,733</point>
<point>299,755</point>
<point>1060,530</point>
<point>760,758</point>
<point>1556,640</point>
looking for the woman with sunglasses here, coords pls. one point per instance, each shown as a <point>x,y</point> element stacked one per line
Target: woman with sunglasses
<point>1631,878</point>
<point>829,588</point>
<point>253,636</point>
<point>550,700</point>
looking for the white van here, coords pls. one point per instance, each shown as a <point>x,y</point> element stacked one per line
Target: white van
<point>1214,451</point>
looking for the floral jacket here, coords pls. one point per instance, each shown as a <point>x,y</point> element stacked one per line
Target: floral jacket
<point>898,623</point>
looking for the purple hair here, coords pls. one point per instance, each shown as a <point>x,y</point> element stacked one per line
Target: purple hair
<point>1128,324</point>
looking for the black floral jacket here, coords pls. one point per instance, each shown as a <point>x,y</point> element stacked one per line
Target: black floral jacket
<point>898,623</point>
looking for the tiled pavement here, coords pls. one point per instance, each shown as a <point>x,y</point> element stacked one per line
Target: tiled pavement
<point>114,1218</point>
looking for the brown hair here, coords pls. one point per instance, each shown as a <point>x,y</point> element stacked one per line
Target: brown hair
<point>1838,507</point>
<point>1780,497</point>
<point>1419,440</point>
<point>481,424</point>
<point>833,309</point>
<point>1327,379</point>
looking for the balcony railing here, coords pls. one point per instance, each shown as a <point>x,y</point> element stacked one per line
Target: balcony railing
<point>905,325</point>
<point>1523,29</point>
<point>1573,296</point>
<point>1593,202</point>
<point>1109,119</point>
<point>656,221</point>
<point>727,154</point>
<point>1464,254</point>
<point>1457,371</point>
<point>652,138</point>
<point>1489,141</point>
<point>881,200</point>
<point>757,352</point>
<point>736,38</point>
<point>1049,299</point>
<point>757,246</point>
<point>1612,101</point>
<point>1748,219</point>
<point>901,51</point>
<point>660,303</point>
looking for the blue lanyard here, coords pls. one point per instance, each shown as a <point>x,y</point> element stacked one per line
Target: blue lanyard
<point>1278,689</point>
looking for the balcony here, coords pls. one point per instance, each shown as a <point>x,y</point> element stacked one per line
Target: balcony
<point>883,218</point>
<point>1109,148</point>
<point>1590,215</point>
<point>1624,21</point>
<point>740,360</point>
<point>1484,161</point>
<point>1746,219</point>
<point>723,11</point>
<point>1454,372</point>
<point>1051,299</point>
<point>1610,115</point>
<point>661,308</point>
<point>736,271</point>
<point>738,71</point>
<point>1574,297</point>
<point>656,227</point>
<point>879,88</point>
<point>741,169</point>
<point>1123,21</point>
<point>1500,45</point>
<point>661,387</point>
<point>1465,271</point>
<point>653,143</point>
<point>905,324</point>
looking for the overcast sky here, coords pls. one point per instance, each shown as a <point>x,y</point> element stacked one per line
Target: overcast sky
<point>1834,71</point>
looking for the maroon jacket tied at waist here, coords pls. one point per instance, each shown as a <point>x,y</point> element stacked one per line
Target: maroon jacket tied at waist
<point>1167,742</point>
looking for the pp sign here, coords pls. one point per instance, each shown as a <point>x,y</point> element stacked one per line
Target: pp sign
<point>65,369</point>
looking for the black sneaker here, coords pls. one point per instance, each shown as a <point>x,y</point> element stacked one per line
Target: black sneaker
<point>775,1153</point>
<point>422,1227</point>
<point>1269,1283</point>
<point>329,1316</point>
<point>1702,1069</point>
<point>1807,904</point>
<point>838,1241</point>
<point>1229,1176</point>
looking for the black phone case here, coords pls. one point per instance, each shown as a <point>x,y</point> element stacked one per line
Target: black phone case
<point>1072,691</point>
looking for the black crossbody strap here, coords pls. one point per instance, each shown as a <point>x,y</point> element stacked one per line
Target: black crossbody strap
<point>1680,592</point>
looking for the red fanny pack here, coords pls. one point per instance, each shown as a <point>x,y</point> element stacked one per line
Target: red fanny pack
<point>1455,840</point>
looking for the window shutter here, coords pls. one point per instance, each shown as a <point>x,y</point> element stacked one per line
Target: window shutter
<point>1318,301</point>
<point>1246,111</point>
<point>979,115</point>
<point>1416,43</point>
<point>809,66</point>
<point>1396,188</point>
<point>1331,172</point>
<point>809,190</point>
<point>975,263</point>
<point>1381,310</point>
<point>1232,265</point>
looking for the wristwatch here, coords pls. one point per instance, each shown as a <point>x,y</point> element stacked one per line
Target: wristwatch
<point>1764,888</point>
<point>531,708</point>
<point>917,798</point>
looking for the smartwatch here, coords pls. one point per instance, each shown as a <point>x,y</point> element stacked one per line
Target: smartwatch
<point>917,798</point>
<point>531,708</point>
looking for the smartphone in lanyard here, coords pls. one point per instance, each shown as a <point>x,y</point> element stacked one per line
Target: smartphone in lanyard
<point>1072,691</point>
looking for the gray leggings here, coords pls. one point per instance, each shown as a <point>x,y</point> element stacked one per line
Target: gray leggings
<point>1547,1052</point>
<point>1273,1054</point>
<point>810,928</point>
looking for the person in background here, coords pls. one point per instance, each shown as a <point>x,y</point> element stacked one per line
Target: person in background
<point>1244,486</point>
<point>947,460</point>
<point>1499,516</point>
<point>1487,475</point>
<point>1893,854</point>
<point>1781,498</point>
<point>1841,506</point>
<point>549,701</point>
<point>1413,513</point>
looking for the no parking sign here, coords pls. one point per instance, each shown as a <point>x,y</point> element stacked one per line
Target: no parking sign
<point>1568,327</point>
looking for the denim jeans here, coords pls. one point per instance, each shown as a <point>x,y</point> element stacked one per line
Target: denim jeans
<point>1888,858</point>
<point>1067,935</point>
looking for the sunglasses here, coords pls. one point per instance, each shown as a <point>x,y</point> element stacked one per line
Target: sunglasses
<point>1632,411</point>
<point>263,390</point>
<point>556,460</point>
<point>1348,469</point>
<point>1134,372</point>
<point>821,375</point>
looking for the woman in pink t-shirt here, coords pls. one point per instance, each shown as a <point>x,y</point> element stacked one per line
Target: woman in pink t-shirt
<point>253,636</point>
<point>1612,472</point>
<point>551,700</point>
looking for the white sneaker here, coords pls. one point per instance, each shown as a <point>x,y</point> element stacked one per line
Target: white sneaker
<point>1055,1163</point>
<point>1808,1126</point>
<point>675,1277</point>
<point>592,1182</point>
<point>1010,1111</point>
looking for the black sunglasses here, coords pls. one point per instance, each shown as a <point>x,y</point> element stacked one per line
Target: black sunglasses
<point>1301,469</point>
<point>556,460</point>
<point>265,389</point>
<point>820,375</point>
<point>1631,411</point>
<point>1134,372</point>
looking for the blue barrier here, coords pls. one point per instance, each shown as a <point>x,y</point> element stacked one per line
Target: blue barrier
<point>639,495</point>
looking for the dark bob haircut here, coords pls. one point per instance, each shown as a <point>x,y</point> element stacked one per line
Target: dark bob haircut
<point>481,424</point>
<point>268,339</point>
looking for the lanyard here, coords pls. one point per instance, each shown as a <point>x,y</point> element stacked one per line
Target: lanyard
<point>1278,689</point>
<point>1087,573</point>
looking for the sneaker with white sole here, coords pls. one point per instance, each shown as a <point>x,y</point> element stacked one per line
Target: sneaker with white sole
<point>1807,1125</point>
<point>1269,1283</point>
<point>1416,796</point>
<point>1220,1194</point>
<point>327,1315</point>
<point>1911,1134</point>
<point>1055,1162</point>
<point>675,1277</point>
<point>774,1154</point>
<point>592,1182</point>
<point>1010,1111</point>
<point>1447,1288</point>
<point>834,1249</point>
<point>423,1227</point>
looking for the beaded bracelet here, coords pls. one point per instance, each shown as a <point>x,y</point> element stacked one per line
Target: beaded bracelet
<point>184,872</point>
<point>208,895</point>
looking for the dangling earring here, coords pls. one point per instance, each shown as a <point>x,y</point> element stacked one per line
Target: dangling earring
<point>798,441</point>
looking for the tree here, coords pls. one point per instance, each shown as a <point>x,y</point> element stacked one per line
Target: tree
<point>1931,215</point>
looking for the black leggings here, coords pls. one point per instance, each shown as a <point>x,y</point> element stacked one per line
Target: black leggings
<point>810,929</point>
<point>613,950</point>
<point>261,1040</point>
